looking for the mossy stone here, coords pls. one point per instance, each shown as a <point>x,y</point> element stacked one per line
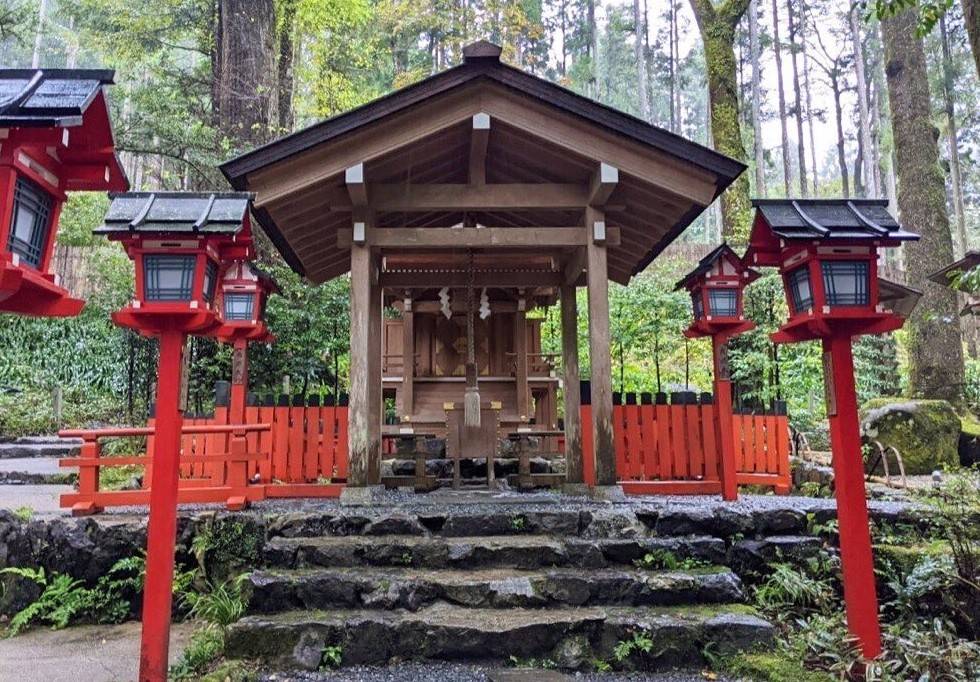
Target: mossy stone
<point>925,432</point>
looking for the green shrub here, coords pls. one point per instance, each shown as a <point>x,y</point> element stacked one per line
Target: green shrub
<point>207,644</point>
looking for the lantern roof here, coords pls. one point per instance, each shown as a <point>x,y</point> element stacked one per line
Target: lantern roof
<point>722,252</point>
<point>48,97</point>
<point>830,219</point>
<point>949,274</point>
<point>176,212</point>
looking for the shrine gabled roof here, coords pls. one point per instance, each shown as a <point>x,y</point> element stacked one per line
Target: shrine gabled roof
<point>831,219</point>
<point>723,250</point>
<point>413,146</point>
<point>48,97</point>
<point>176,212</point>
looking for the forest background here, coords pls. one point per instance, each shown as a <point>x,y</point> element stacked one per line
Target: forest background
<point>801,90</point>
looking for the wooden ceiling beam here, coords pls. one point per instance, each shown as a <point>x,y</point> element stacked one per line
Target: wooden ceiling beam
<point>605,179</point>
<point>452,197</point>
<point>356,187</point>
<point>477,237</point>
<point>413,279</point>
<point>479,139</point>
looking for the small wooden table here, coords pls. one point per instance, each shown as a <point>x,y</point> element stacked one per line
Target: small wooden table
<point>525,479</point>
<point>421,481</point>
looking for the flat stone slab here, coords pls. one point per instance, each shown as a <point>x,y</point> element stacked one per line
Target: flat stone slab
<point>412,589</point>
<point>504,551</point>
<point>34,470</point>
<point>40,446</point>
<point>446,632</point>
<point>93,653</point>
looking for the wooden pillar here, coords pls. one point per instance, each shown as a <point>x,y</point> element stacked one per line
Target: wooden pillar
<point>602,408</point>
<point>572,392</point>
<point>408,359</point>
<point>520,362</point>
<point>360,434</point>
<point>374,382</point>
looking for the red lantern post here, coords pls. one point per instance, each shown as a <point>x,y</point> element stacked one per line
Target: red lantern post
<point>827,253</point>
<point>178,242</point>
<point>55,137</point>
<point>716,286</point>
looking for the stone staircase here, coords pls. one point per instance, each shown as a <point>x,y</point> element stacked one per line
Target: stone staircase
<point>559,585</point>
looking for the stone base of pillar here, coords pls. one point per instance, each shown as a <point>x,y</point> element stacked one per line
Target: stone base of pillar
<point>577,489</point>
<point>362,496</point>
<point>608,493</point>
<point>599,493</point>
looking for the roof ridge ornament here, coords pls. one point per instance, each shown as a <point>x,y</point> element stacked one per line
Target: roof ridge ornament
<point>870,224</point>
<point>811,223</point>
<point>144,212</point>
<point>480,50</point>
<point>201,221</point>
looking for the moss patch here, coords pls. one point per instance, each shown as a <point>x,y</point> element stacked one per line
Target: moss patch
<point>773,667</point>
<point>925,432</point>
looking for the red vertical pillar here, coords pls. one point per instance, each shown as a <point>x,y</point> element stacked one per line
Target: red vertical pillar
<point>723,408</point>
<point>857,562</point>
<point>162,528</point>
<point>239,382</point>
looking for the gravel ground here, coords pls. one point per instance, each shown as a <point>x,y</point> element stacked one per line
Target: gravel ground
<point>455,672</point>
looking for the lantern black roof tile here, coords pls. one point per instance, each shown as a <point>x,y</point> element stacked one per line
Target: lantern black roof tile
<point>176,212</point>
<point>705,264</point>
<point>831,219</point>
<point>48,97</point>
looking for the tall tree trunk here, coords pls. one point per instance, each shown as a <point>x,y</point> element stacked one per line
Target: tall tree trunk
<point>249,96</point>
<point>809,111</point>
<point>864,116</point>
<point>952,136</point>
<point>971,15</point>
<point>672,64</point>
<point>675,26</point>
<point>286,53</point>
<point>593,48</point>
<point>935,350</point>
<point>800,144</point>
<point>760,151</point>
<point>39,35</point>
<point>639,31</point>
<point>717,26</point>
<point>787,175</point>
<point>839,119</point>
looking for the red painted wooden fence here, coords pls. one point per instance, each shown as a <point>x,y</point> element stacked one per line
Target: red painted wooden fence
<point>674,448</point>
<point>299,449</point>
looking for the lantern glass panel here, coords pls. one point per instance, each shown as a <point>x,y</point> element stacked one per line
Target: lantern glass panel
<point>210,280</point>
<point>30,222</point>
<point>846,282</point>
<point>239,306</point>
<point>168,277</point>
<point>723,302</point>
<point>698,305</point>
<point>800,292</point>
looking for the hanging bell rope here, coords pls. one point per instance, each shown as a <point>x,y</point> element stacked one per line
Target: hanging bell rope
<point>471,397</point>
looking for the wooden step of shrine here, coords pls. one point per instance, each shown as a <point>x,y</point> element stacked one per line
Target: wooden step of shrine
<point>501,551</point>
<point>572,637</point>
<point>413,589</point>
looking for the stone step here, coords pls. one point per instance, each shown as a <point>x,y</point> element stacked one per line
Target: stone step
<point>34,471</point>
<point>399,588</point>
<point>40,446</point>
<point>504,551</point>
<point>572,637</point>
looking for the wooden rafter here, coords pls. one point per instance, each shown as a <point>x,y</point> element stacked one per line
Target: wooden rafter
<point>479,139</point>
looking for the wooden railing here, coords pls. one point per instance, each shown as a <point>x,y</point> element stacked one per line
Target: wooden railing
<point>292,448</point>
<point>674,448</point>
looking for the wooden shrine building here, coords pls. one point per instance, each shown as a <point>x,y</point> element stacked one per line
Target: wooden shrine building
<point>486,192</point>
